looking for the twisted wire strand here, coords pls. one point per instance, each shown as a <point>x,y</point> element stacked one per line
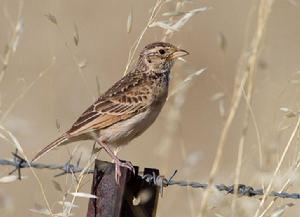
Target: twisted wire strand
<point>20,163</point>
<point>243,190</point>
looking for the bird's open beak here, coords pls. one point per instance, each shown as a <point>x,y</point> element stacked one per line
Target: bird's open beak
<point>178,53</point>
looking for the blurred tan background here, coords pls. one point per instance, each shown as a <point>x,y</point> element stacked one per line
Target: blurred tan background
<point>190,143</point>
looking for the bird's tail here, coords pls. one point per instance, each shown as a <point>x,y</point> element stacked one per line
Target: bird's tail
<point>51,146</point>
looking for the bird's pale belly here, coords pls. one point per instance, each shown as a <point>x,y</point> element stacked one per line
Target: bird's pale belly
<point>123,132</point>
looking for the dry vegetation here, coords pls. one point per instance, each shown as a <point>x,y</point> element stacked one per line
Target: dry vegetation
<point>232,114</point>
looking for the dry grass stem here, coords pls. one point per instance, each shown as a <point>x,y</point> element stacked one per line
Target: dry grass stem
<point>14,40</point>
<point>247,68</point>
<point>284,188</point>
<point>26,90</point>
<point>135,45</point>
<point>12,139</point>
<point>82,175</point>
<point>249,113</point>
<point>268,189</point>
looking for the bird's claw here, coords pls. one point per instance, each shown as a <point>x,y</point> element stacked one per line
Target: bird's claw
<point>118,165</point>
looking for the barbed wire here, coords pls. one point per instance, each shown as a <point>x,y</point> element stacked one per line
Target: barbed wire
<point>242,190</point>
<point>19,163</point>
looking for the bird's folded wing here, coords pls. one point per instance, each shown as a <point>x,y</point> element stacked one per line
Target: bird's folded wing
<point>111,108</point>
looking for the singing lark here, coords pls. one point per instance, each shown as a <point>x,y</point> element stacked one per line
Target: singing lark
<point>129,107</point>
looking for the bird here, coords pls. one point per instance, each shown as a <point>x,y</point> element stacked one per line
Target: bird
<point>128,107</point>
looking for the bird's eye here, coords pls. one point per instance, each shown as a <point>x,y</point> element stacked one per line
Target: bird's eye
<point>162,51</point>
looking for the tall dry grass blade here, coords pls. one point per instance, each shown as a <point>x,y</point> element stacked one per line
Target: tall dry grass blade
<point>284,187</point>
<point>268,189</point>
<point>14,40</point>
<point>82,175</point>
<point>249,113</point>
<point>247,67</point>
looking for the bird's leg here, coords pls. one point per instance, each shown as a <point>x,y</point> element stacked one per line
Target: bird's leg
<point>118,163</point>
<point>116,150</point>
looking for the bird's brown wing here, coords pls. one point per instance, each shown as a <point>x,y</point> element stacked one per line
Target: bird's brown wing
<point>123,100</point>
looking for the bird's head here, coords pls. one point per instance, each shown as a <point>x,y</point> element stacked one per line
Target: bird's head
<point>160,56</point>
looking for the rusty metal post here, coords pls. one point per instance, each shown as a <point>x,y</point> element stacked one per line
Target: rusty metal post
<point>117,200</point>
